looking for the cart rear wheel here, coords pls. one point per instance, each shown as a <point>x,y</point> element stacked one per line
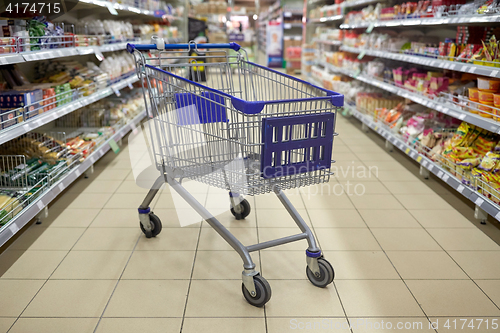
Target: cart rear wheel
<point>155,226</point>
<point>244,206</point>
<point>326,274</point>
<point>262,292</point>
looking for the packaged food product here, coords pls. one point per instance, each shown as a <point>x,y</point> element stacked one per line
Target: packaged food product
<point>488,84</point>
<point>486,109</point>
<point>460,135</point>
<point>496,100</point>
<point>485,97</point>
<point>474,94</point>
<point>469,163</point>
<point>464,152</point>
<point>489,161</point>
<point>483,144</point>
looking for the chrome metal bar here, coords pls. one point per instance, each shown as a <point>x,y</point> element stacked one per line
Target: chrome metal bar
<point>276,242</point>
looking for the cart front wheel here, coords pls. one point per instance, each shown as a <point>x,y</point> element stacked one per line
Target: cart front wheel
<point>244,208</point>
<point>155,226</point>
<point>262,292</point>
<point>326,274</point>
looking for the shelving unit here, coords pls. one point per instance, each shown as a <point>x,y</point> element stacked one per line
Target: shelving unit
<point>64,47</point>
<point>335,18</point>
<point>41,202</point>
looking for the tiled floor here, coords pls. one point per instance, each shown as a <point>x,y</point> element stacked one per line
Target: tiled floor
<point>403,256</point>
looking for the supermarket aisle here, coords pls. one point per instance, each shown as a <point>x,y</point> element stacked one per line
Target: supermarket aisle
<point>402,255</point>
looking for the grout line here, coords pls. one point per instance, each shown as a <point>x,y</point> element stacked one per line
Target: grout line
<point>260,257</point>
<point>192,268</point>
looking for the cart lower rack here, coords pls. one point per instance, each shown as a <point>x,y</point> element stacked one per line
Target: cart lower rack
<point>221,120</point>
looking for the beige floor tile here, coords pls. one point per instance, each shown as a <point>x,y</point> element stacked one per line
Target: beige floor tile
<point>125,200</point>
<point>463,324</point>
<point>89,200</point>
<point>356,174</point>
<point>337,148</point>
<point>463,239</point>
<point>96,186</point>
<point>366,149</point>
<point>229,221</point>
<point>344,157</point>
<point>478,264</point>
<point>422,201</point>
<point>170,239</point>
<point>331,188</point>
<point>71,299</point>
<point>159,265</point>
<point>70,218</point>
<point>375,157</point>
<point>399,324</point>
<point>280,325</point>
<point>16,295</point>
<point>425,265</point>
<point>224,325</point>
<point>55,325</point>
<point>408,187</point>
<point>311,301</point>
<point>208,265</point>
<point>6,323</point>
<point>218,202</point>
<point>211,240</point>
<point>396,175</point>
<point>278,218</point>
<point>135,325</point>
<point>377,298</point>
<point>283,265</point>
<point>115,174</point>
<point>92,265</point>
<point>354,265</point>
<point>346,166</point>
<point>452,298</point>
<point>119,163</point>
<point>39,238</point>
<point>130,186</point>
<point>336,218</point>
<point>396,218</point>
<point>444,218</point>
<point>271,201</point>
<point>29,264</point>
<point>376,201</point>
<point>490,288</point>
<point>166,201</point>
<point>345,239</point>
<point>361,187</point>
<point>148,298</point>
<point>224,297</point>
<point>383,165</point>
<point>405,239</point>
<point>108,239</point>
<point>333,201</point>
<point>116,218</point>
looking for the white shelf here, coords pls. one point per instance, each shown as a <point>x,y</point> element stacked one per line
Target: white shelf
<point>287,26</point>
<point>438,105</point>
<point>117,6</point>
<point>328,42</point>
<point>450,20</point>
<point>431,62</point>
<point>34,208</point>
<point>12,132</point>
<point>358,3</point>
<point>327,19</point>
<point>477,198</point>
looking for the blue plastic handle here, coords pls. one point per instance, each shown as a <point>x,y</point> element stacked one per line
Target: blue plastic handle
<point>147,47</point>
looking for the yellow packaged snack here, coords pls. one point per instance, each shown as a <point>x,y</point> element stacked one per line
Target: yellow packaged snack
<point>460,135</point>
<point>489,161</point>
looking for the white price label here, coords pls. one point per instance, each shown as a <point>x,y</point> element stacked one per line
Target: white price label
<point>287,26</point>
<point>440,174</point>
<point>111,8</point>
<point>14,228</point>
<point>61,187</point>
<point>498,216</point>
<point>461,116</point>
<point>479,201</point>
<point>40,204</point>
<point>430,167</point>
<point>472,69</point>
<point>494,73</point>
<point>460,188</point>
<point>445,177</point>
<point>116,91</point>
<point>424,163</point>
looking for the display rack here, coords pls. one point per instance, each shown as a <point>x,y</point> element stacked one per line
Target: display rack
<point>437,104</point>
<point>45,198</point>
<point>409,22</point>
<point>15,131</point>
<point>427,61</point>
<point>358,3</point>
<point>334,18</point>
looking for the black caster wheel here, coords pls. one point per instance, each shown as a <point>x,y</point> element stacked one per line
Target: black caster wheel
<point>244,209</point>
<point>326,275</point>
<point>155,226</point>
<point>262,292</point>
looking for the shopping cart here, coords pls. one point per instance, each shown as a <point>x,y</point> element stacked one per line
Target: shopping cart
<point>250,130</point>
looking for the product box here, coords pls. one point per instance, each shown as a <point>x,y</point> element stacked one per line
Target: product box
<point>30,99</point>
<point>9,117</point>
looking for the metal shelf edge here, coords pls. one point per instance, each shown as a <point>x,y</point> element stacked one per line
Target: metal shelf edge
<point>31,211</point>
<point>437,63</point>
<point>46,117</point>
